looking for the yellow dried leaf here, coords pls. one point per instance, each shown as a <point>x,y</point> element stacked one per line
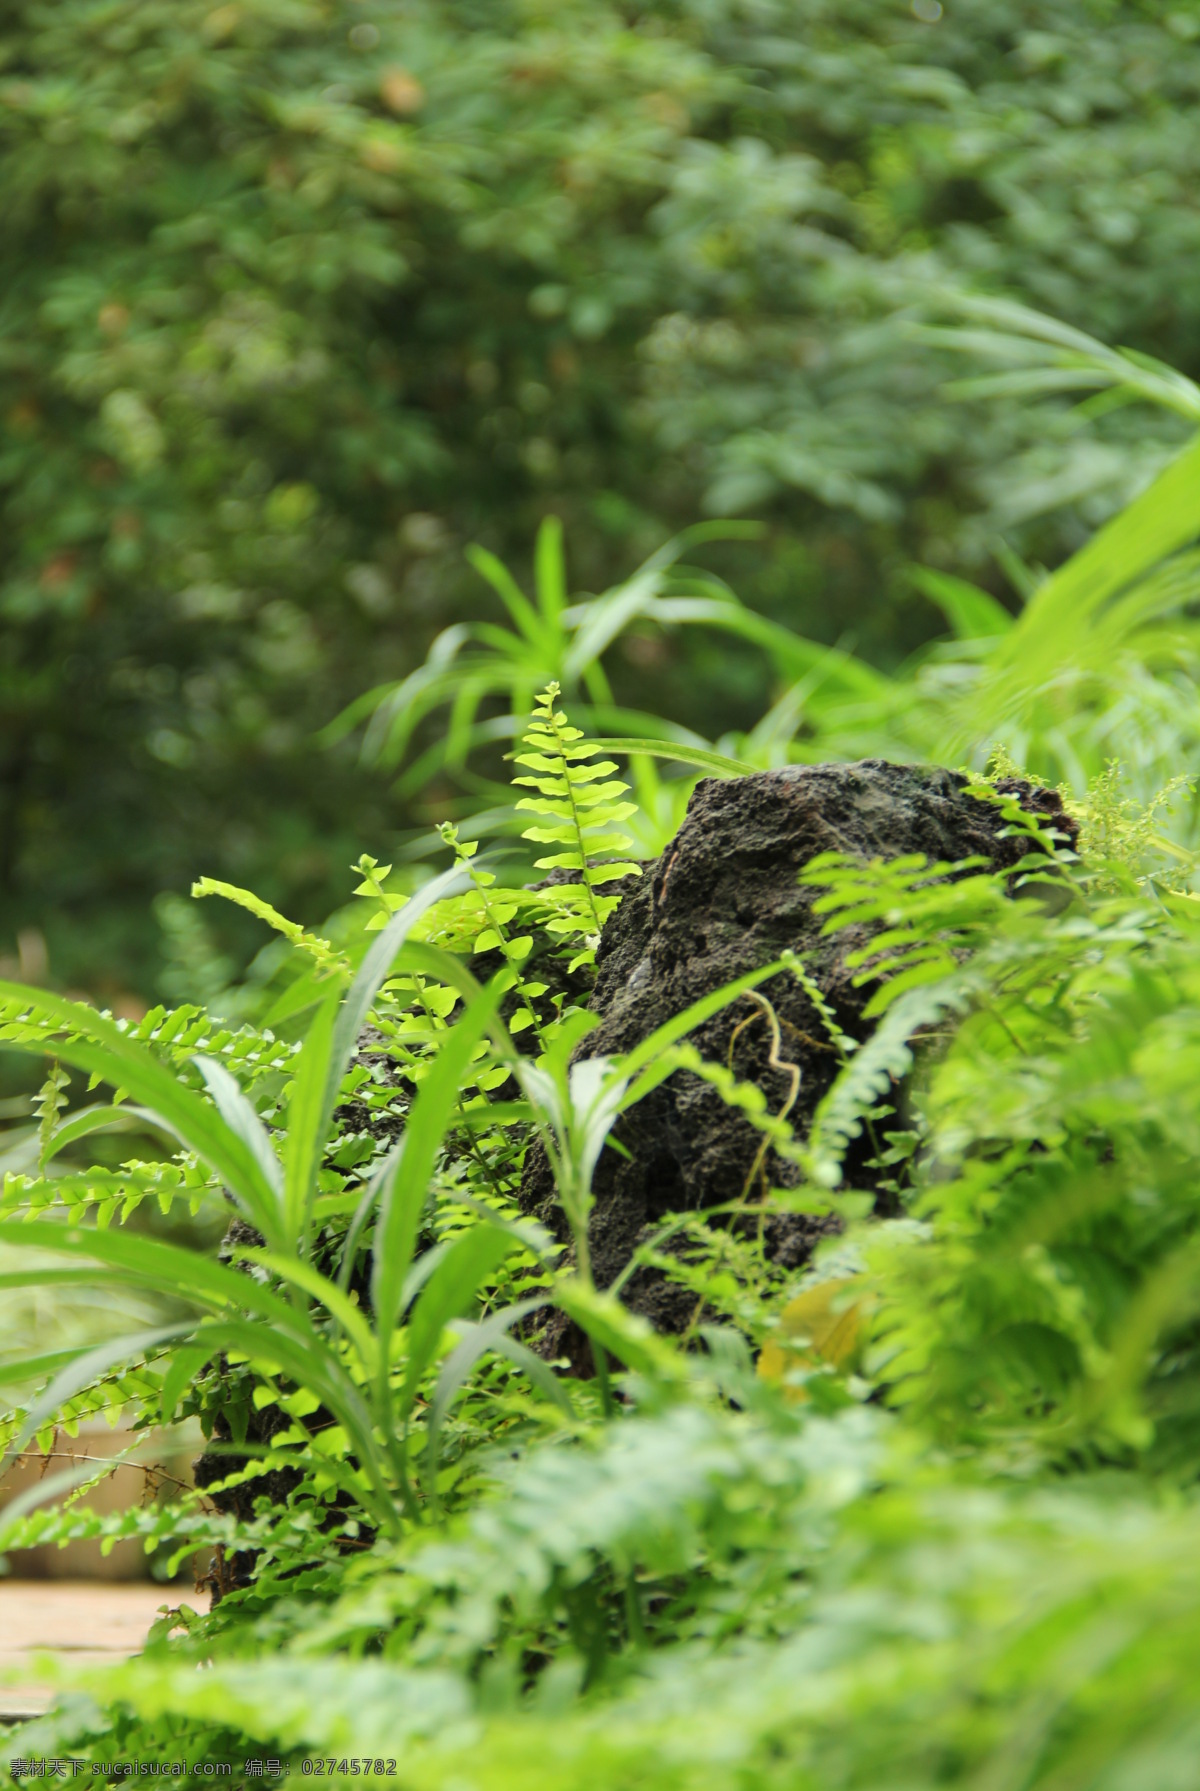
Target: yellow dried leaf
<point>828,1317</point>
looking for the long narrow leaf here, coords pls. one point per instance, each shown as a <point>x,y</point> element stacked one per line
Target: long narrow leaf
<point>375,968</point>
<point>1065,608</point>
<point>181,1274</point>
<point>468,1262</point>
<point>32,1368</point>
<point>550,575</point>
<point>682,755</point>
<point>306,1122</point>
<point>618,1331</point>
<point>245,1124</point>
<point>477,1341</point>
<point>510,594</point>
<point>362,1214</point>
<point>404,1193</point>
<point>182,1370</point>
<point>101,1118</point>
<point>312,1282</point>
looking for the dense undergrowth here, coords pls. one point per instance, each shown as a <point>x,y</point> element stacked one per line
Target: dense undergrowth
<point>926,1516</point>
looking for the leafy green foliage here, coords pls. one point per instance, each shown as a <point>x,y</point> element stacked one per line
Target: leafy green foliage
<point>925,1514</point>
<point>727,1566</point>
<point>1111,632</point>
<point>302,300</point>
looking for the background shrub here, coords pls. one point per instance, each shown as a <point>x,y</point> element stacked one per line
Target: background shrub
<point>300,299</point>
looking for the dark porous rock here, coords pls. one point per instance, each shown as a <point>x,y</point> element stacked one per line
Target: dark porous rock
<point>725,899</point>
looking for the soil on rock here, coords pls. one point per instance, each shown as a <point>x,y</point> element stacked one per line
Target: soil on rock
<point>725,899</point>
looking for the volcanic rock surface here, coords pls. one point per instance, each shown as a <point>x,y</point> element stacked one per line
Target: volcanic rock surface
<point>724,899</point>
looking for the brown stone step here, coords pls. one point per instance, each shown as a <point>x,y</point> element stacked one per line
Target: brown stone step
<point>75,1620</point>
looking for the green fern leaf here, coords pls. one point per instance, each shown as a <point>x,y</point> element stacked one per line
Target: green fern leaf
<point>580,805</point>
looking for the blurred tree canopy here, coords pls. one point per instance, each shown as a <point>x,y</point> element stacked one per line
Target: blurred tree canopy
<point>301,296</point>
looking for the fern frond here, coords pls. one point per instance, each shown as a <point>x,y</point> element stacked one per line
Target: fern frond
<point>580,805</point>
<point>869,1076</point>
<point>924,915</point>
<point>326,956</point>
<point>48,1103</point>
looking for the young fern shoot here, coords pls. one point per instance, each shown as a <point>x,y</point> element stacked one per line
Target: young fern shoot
<point>582,806</point>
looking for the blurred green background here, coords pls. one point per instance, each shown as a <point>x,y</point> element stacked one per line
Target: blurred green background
<point>299,299</point>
